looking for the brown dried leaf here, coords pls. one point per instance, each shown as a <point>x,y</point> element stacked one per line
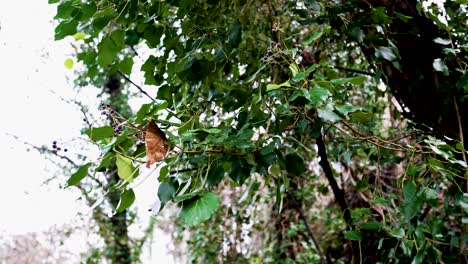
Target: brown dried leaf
<point>156,144</point>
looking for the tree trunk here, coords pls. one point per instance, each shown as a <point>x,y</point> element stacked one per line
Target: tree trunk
<point>430,97</point>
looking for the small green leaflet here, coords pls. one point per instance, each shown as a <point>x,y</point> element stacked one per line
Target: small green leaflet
<point>304,74</point>
<point>295,164</point>
<point>352,80</point>
<point>318,94</point>
<point>346,109</point>
<point>397,232</point>
<point>68,63</point>
<point>126,200</point>
<point>109,47</point>
<point>79,174</point>
<point>372,225</point>
<point>187,196</point>
<point>199,209</point>
<point>79,36</point>
<point>167,191</point>
<point>271,86</point>
<point>125,168</point>
<point>255,74</point>
<point>412,203</point>
<point>99,133</point>
<point>353,235</point>
<point>313,38</point>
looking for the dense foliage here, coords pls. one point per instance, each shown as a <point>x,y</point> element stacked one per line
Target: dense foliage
<point>299,131</point>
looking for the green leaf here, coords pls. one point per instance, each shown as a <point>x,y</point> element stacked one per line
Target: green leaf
<point>131,37</point>
<point>346,109</point>
<point>65,28</point>
<point>326,114</point>
<point>125,168</point>
<point>65,10</point>
<point>149,68</point>
<point>318,95</point>
<point>361,116</point>
<point>239,171</point>
<point>312,38</point>
<point>385,53</point>
<point>353,235</point>
<point>412,204</point>
<point>187,196</point>
<point>199,209</point>
<point>295,164</point>
<point>301,75</point>
<point>99,133</point>
<point>215,175</point>
<point>380,200</point>
<point>167,191</point>
<point>397,232</point>
<point>352,80</point>
<point>409,191</point>
<point>68,63</point>
<point>271,86</point>
<point>79,36</point>
<point>126,65</point>
<point>372,225</point>
<point>53,1</point>
<point>126,200</point>
<point>109,47</point>
<point>235,36</point>
<point>79,174</point>
<point>106,161</point>
<point>440,66</point>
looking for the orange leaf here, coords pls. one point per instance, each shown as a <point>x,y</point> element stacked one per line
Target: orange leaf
<point>156,144</point>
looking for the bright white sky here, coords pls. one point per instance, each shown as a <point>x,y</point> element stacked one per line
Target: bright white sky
<point>31,65</point>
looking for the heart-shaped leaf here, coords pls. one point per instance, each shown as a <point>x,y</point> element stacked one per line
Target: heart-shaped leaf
<point>199,209</point>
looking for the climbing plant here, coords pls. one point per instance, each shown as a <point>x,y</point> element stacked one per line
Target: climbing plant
<point>286,131</point>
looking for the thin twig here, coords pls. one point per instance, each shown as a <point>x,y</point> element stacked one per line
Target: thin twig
<point>220,151</point>
<point>309,231</point>
<point>183,170</point>
<point>460,128</point>
<point>136,85</point>
<point>354,71</point>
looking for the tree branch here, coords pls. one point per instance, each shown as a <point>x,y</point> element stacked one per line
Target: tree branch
<point>339,195</point>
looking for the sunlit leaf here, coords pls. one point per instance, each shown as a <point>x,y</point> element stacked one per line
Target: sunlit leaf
<point>68,63</point>
<point>328,115</point>
<point>271,86</point>
<point>125,168</point>
<point>79,36</point>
